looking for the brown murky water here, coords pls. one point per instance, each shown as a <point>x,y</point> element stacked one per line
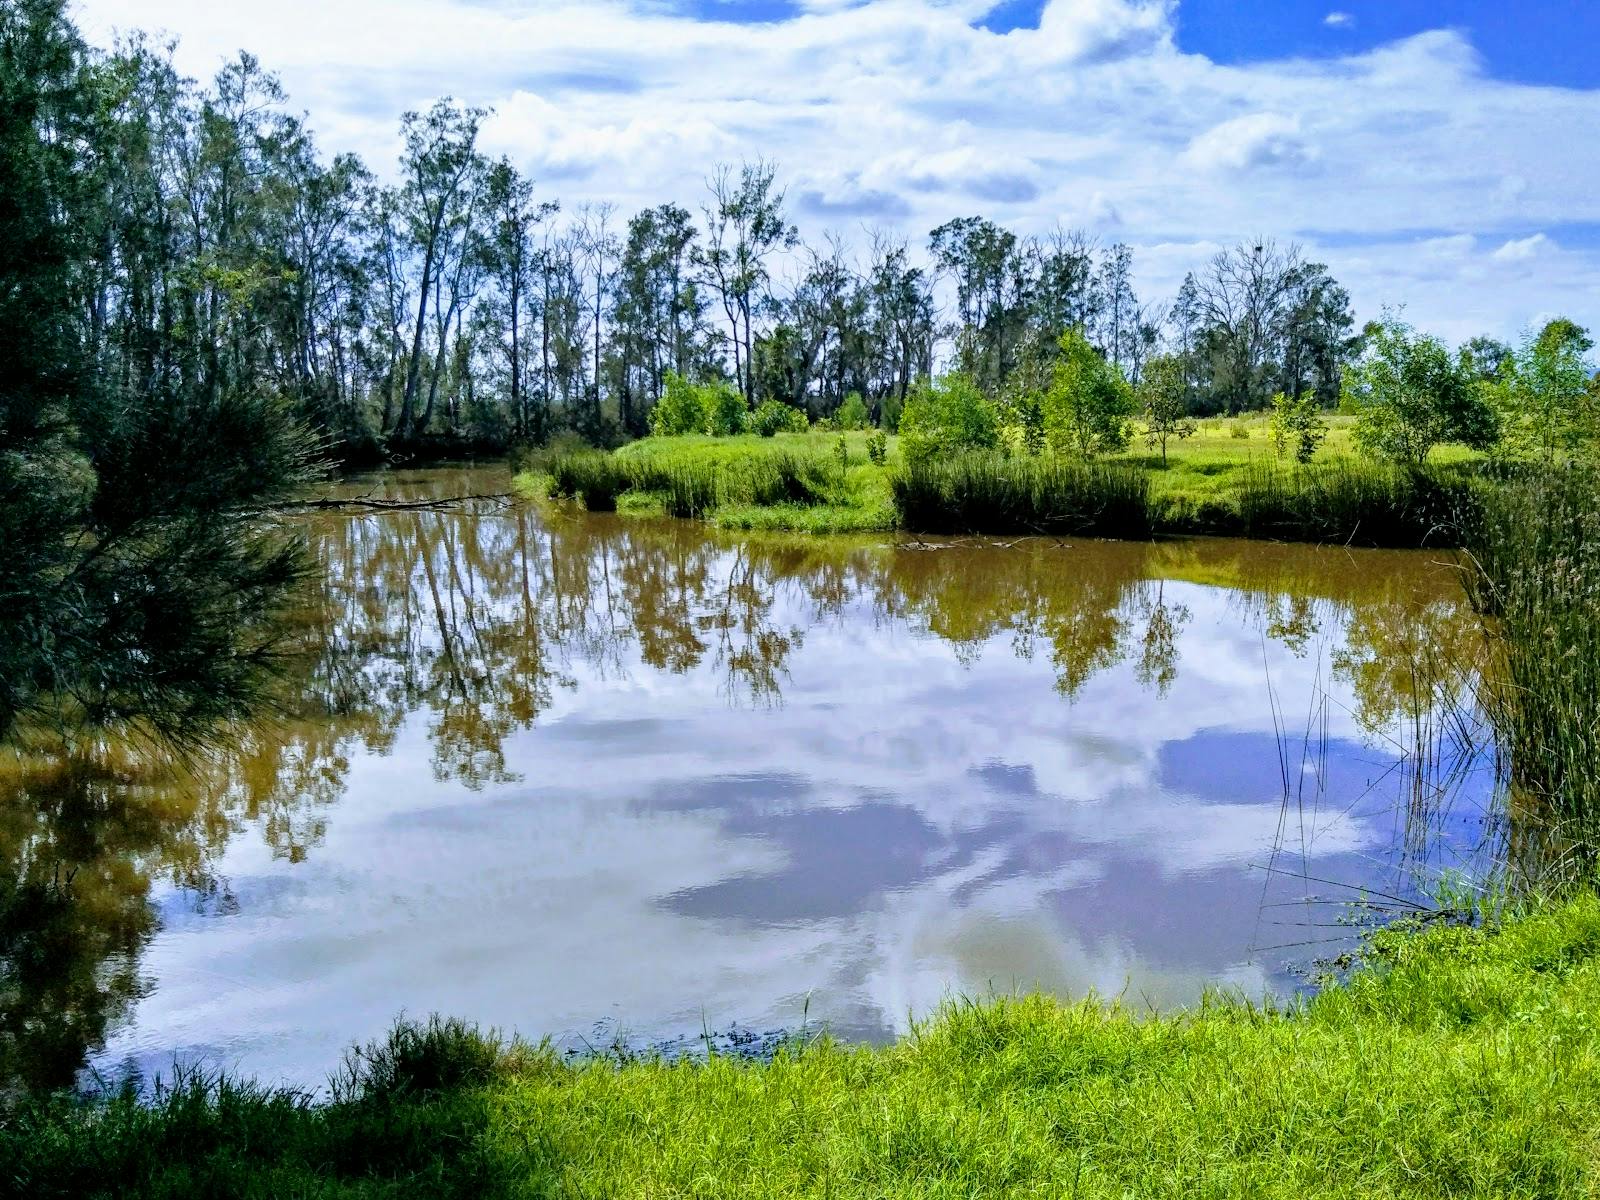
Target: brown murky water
<point>579,775</point>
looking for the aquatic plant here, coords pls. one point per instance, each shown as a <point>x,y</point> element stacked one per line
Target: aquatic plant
<point>1534,554</point>
<point>991,493</point>
<point>1353,501</point>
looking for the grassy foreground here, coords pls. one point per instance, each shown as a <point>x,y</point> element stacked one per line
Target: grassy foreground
<point>1455,1062</point>
<point>1225,479</point>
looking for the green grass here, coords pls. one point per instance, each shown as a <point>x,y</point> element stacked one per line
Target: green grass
<point>1214,482</point>
<point>1456,1062</point>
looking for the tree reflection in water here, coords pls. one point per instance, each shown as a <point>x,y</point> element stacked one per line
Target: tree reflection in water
<point>475,619</point>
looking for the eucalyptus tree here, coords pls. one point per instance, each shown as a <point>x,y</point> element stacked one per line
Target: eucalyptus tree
<point>1067,292</point>
<point>600,252</point>
<point>1316,338</point>
<point>904,316</point>
<point>659,315</point>
<point>443,172</point>
<point>1119,332</point>
<point>990,273</point>
<point>1242,299</point>
<point>510,259</point>
<point>745,228</point>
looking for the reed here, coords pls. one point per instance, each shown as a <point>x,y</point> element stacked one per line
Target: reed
<point>592,476</point>
<point>1353,501</point>
<point>993,493</point>
<point>1534,553</point>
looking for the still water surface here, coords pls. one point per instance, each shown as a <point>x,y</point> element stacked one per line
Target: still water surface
<point>579,775</point>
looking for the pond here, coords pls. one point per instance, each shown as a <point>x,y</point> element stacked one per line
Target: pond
<point>593,777</point>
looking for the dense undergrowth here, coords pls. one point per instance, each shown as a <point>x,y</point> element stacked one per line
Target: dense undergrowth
<point>1455,1062</point>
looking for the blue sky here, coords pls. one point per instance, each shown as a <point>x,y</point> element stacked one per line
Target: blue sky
<point>1439,156</point>
<point>1544,42</point>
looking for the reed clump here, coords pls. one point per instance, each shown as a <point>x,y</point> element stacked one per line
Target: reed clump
<point>1354,501</point>
<point>592,476</point>
<point>995,493</point>
<point>1533,546</point>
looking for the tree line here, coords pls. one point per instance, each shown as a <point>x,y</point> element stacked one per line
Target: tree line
<point>451,303</point>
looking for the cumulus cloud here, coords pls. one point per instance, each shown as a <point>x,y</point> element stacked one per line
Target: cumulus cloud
<point>912,112</point>
<point>1256,140</point>
<point>1339,20</point>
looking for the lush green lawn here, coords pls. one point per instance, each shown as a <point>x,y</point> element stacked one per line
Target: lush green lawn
<point>1457,1063</point>
<point>1196,489</point>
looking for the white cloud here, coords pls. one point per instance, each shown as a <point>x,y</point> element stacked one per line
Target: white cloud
<point>1338,20</point>
<point>1523,249</point>
<point>1256,140</point>
<point>909,112</point>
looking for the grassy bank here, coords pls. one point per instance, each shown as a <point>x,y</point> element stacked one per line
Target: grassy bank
<point>1224,480</point>
<point>1456,1062</point>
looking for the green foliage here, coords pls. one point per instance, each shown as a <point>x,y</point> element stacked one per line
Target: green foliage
<point>1452,1062</point>
<point>878,448</point>
<point>725,409</point>
<point>993,493</point>
<point>137,583</point>
<point>1088,403</point>
<point>853,414</point>
<point>1542,396</point>
<point>945,417</point>
<point>714,408</point>
<point>1297,423</point>
<point>1409,395</point>
<point>891,410</point>
<point>772,417</point>
<point>1164,396</point>
<point>1240,430</point>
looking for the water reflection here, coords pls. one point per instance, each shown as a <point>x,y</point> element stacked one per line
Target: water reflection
<point>540,769</point>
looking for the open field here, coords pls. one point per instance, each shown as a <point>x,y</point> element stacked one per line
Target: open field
<point>1456,1062</point>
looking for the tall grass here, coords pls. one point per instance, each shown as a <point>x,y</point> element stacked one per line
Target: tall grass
<point>693,489</point>
<point>1534,548</point>
<point>1353,501</point>
<point>592,476</point>
<point>992,493</point>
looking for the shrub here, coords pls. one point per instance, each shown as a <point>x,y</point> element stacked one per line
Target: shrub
<point>853,414</point>
<point>878,448</point>
<point>889,412</point>
<point>1297,422</point>
<point>773,417</point>
<point>1239,430</point>
<point>725,409</point>
<point>1088,403</point>
<point>1409,394</point>
<point>947,416</point>
<point>715,408</point>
